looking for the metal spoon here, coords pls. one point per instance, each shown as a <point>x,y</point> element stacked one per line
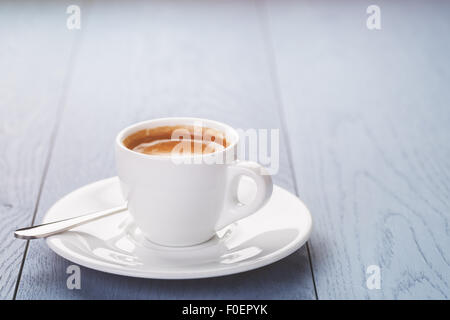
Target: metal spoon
<point>49,229</point>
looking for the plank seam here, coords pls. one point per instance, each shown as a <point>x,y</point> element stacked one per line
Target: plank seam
<point>279,103</point>
<point>58,118</point>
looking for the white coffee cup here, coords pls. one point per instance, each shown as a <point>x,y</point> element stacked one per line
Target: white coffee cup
<point>184,204</point>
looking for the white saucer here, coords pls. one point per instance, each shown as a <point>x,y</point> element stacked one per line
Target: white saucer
<point>115,245</point>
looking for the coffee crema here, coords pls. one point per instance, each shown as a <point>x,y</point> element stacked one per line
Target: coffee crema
<point>180,140</point>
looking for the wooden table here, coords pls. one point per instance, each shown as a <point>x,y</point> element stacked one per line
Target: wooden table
<point>364,117</point>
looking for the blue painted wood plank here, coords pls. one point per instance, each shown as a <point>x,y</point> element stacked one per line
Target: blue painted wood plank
<point>141,60</point>
<point>35,49</point>
<point>368,116</point>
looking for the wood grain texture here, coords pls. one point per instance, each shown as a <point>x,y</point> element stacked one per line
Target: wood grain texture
<point>140,60</point>
<point>368,116</point>
<point>34,53</point>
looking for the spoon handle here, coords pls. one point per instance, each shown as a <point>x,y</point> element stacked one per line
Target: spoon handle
<point>48,229</point>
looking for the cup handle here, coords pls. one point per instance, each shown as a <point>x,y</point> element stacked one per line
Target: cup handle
<point>235,210</point>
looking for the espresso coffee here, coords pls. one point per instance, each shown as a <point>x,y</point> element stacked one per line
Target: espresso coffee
<point>182,201</point>
<point>170,140</point>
